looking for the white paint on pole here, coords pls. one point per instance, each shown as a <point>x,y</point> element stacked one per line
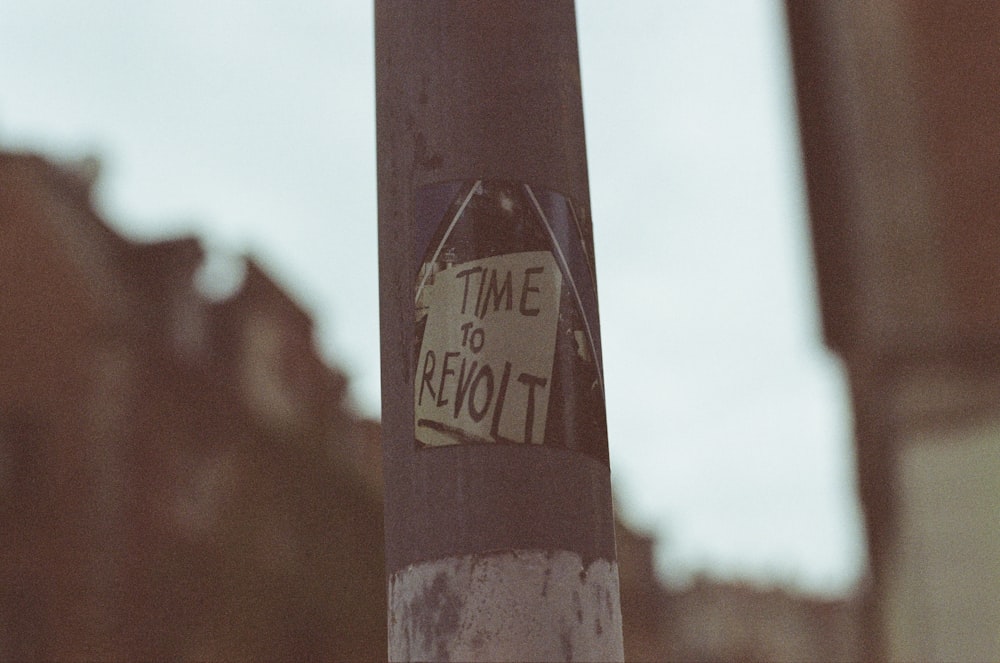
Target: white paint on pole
<point>506,606</point>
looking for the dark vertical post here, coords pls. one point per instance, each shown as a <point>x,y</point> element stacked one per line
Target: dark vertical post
<point>499,525</point>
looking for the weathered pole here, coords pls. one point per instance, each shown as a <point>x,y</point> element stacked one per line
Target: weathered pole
<point>499,525</point>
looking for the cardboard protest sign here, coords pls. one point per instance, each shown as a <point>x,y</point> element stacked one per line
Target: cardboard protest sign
<point>485,363</point>
<point>505,349</point>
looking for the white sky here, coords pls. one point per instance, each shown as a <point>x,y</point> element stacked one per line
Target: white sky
<point>251,123</point>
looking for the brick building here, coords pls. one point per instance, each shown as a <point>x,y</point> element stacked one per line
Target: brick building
<point>179,477</point>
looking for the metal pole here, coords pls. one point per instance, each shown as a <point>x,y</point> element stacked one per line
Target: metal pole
<point>499,525</point>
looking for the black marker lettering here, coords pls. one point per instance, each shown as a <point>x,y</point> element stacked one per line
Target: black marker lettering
<point>479,296</point>
<point>531,381</point>
<point>427,376</point>
<point>497,293</point>
<point>463,385</point>
<point>445,372</point>
<point>488,373</point>
<point>526,288</point>
<point>465,274</point>
<point>501,397</point>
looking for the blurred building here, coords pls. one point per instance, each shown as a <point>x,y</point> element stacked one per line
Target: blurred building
<point>179,477</point>
<point>899,108</point>
<point>712,621</point>
<point>182,477</point>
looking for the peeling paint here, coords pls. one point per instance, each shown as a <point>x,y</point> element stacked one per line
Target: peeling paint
<point>520,605</point>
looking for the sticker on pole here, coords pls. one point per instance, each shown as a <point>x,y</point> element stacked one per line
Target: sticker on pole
<point>506,337</point>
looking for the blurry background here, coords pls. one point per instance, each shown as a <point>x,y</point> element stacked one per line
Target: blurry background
<point>251,126</point>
